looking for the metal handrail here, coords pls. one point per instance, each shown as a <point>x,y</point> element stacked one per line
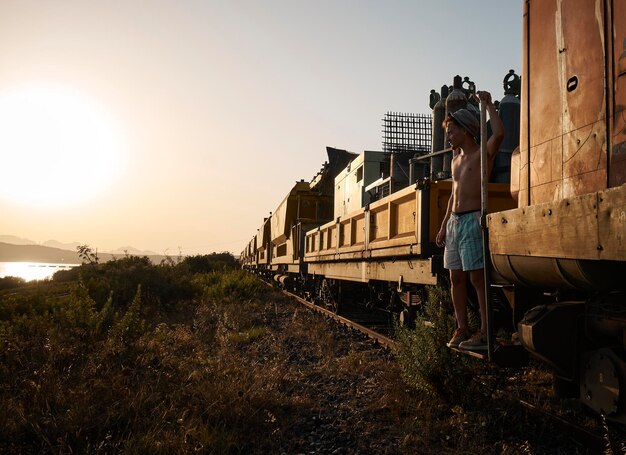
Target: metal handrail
<point>484,195</point>
<point>430,155</point>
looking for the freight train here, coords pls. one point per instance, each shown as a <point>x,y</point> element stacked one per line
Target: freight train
<point>363,229</point>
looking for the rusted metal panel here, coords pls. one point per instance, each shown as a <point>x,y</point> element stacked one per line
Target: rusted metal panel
<point>522,170</point>
<point>515,175</point>
<point>543,101</point>
<point>567,228</point>
<point>583,89</point>
<point>612,223</point>
<point>580,183</point>
<point>591,226</point>
<point>546,169</point>
<point>543,192</point>
<point>564,103</point>
<point>584,166</point>
<point>583,66</point>
<point>545,93</point>
<point>617,172</point>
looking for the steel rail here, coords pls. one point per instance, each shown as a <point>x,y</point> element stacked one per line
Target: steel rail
<point>378,337</point>
<point>584,436</point>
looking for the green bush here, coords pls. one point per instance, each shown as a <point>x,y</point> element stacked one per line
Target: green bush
<point>426,362</point>
<point>29,301</point>
<point>11,282</point>
<point>233,286</point>
<point>162,284</point>
<point>209,263</point>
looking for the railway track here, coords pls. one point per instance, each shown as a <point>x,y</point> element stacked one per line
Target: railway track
<point>591,440</point>
<point>380,332</point>
<point>355,320</point>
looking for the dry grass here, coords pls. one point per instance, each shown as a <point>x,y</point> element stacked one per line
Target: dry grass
<point>235,368</point>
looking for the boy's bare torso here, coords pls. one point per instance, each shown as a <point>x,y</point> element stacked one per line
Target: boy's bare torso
<point>466,181</point>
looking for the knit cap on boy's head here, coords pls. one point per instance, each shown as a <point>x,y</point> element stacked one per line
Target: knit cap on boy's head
<point>468,121</point>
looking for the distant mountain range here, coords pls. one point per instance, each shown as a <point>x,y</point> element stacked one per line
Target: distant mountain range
<point>124,250</point>
<point>14,240</point>
<point>18,249</point>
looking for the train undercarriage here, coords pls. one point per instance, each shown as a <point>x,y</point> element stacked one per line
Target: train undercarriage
<point>584,342</point>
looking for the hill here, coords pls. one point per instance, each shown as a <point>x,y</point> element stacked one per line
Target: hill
<point>38,253</point>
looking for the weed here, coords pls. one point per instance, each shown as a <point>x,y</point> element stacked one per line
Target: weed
<point>231,286</point>
<point>130,325</point>
<point>249,335</point>
<point>428,365</point>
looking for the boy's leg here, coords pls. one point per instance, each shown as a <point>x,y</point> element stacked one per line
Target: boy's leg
<point>459,297</point>
<point>477,278</point>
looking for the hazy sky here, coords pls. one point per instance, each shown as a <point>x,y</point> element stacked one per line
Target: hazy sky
<point>181,124</point>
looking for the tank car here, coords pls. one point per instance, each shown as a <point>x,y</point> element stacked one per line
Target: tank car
<point>563,249</point>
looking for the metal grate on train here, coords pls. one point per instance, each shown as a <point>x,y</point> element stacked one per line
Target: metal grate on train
<point>407,132</point>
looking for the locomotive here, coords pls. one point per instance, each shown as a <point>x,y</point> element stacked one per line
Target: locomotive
<point>363,229</point>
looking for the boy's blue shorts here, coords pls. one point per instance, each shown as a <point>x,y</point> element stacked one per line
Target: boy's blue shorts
<point>464,242</point>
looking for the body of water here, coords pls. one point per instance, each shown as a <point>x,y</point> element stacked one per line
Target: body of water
<point>32,270</point>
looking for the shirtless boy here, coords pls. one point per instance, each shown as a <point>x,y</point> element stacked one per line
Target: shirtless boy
<point>460,230</point>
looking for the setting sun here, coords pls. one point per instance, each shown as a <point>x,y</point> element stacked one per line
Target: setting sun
<point>58,146</point>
